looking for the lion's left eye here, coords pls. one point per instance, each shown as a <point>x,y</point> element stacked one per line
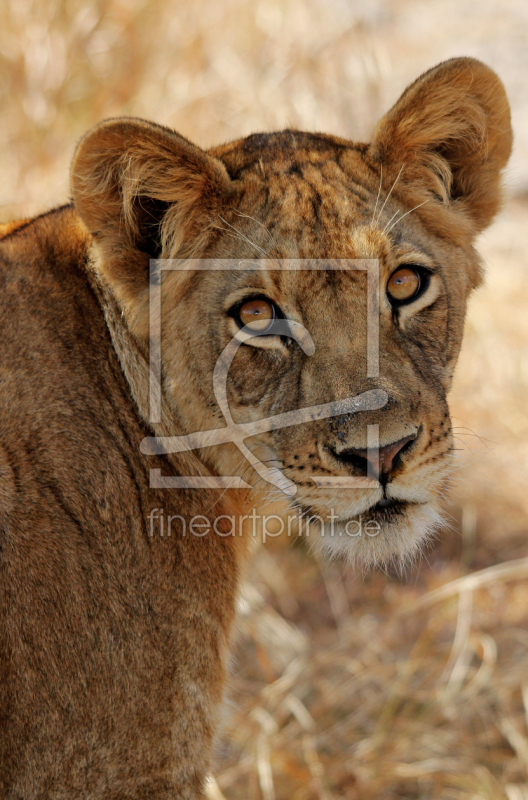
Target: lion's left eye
<point>406,284</point>
<point>257,314</point>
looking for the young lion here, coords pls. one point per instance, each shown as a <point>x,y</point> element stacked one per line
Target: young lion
<point>114,636</point>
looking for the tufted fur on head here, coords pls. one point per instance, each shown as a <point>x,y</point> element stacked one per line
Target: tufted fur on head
<point>142,188</point>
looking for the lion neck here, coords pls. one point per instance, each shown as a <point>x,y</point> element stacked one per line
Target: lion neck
<point>132,354</point>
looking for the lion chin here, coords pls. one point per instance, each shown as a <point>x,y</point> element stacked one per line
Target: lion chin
<point>389,533</point>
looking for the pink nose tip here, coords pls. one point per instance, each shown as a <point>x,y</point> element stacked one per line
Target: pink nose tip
<point>382,460</point>
<point>376,462</point>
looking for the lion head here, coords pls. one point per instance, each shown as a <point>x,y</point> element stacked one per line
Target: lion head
<point>306,221</point>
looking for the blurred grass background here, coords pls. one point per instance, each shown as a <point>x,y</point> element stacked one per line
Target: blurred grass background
<point>366,687</point>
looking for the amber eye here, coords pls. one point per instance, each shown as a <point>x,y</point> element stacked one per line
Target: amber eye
<point>257,314</point>
<point>404,284</point>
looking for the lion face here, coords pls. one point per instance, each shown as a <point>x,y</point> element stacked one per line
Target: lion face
<point>408,206</point>
<point>419,334</point>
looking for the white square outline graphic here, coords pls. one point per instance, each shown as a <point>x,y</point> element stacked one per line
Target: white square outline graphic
<point>376,398</point>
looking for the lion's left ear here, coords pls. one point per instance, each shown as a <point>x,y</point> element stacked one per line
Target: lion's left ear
<point>144,192</point>
<point>450,133</point>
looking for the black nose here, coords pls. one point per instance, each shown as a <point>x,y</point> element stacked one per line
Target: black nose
<point>376,463</point>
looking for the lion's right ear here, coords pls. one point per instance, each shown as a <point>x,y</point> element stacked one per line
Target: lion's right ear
<point>144,192</point>
<point>450,137</point>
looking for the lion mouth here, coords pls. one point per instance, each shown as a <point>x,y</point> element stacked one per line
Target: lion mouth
<point>387,509</point>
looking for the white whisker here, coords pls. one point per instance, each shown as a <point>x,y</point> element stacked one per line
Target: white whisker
<point>406,213</point>
<point>266,231</point>
<point>243,237</point>
<point>378,197</point>
<point>389,222</point>
<point>389,194</point>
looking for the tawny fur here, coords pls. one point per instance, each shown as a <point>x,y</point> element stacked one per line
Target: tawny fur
<point>113,641</point>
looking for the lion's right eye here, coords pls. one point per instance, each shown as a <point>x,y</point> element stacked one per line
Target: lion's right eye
<point>406,284</point>
<point>257,314</point>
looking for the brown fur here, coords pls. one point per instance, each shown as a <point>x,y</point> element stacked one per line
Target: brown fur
<point>114,642</point>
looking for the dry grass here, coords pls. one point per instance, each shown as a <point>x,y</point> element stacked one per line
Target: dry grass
<point>384,698</point>
<point>345,686</point>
